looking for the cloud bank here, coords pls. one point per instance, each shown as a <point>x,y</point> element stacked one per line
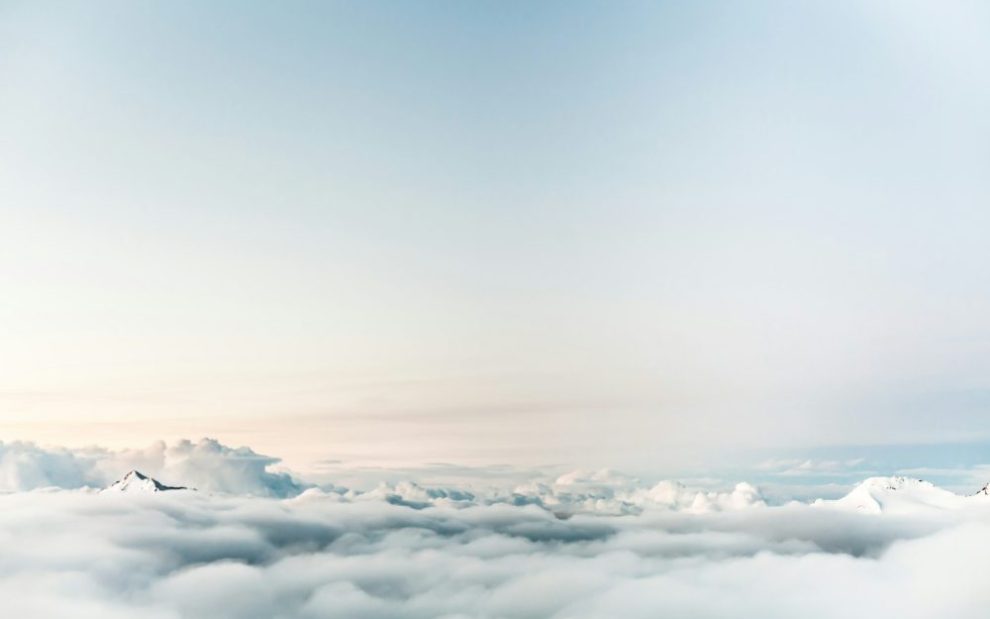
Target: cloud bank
<point>82,554</point>
<point>206,464</point>
<point>583,545</point>
<point>211,466</point>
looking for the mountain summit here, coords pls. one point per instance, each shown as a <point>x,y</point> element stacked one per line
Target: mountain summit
<point>136,481</point>
<point>898,495</point>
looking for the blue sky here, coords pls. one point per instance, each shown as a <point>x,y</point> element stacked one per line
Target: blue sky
<point>625,233</point>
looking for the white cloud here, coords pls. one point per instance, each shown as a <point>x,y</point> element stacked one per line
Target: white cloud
<point>410,551</point>
<point>197,555</point>
<point>809,467</point>
<point>205,464</point>
<point>210,466</point>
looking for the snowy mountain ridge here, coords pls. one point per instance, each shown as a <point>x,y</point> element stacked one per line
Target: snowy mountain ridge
<point>901,495</point>
<point>896,495</point>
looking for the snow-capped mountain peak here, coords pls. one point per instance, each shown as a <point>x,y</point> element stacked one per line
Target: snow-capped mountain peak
<point>136,481</point>
<point>896,495</point>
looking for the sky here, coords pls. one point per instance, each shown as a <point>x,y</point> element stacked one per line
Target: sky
<point>629,234</point>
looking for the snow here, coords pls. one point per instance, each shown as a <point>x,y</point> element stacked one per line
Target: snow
<point>898,495</point>
<point>137,482</point>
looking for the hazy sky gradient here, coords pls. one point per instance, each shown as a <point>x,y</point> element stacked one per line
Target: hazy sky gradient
<point>612,233</point>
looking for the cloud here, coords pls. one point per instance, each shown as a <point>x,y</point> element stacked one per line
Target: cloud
<point>580,545</point>
<point>211,466</point>
<point>585,545</point>
<point>25,466</point>
<point>196,555</point>
<point>807,467</point>
<point>205,464</point>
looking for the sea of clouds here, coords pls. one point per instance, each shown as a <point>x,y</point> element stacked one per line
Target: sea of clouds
<point>253,543</point>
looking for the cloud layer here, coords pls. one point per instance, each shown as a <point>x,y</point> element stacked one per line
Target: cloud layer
<point>584,545</point>
<point>197,555</point>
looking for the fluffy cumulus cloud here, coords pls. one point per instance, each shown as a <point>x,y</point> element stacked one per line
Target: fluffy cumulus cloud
<point>210,466</point>
<point>206,464</point>
<point>81,554</point>
<point>578,546</point>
